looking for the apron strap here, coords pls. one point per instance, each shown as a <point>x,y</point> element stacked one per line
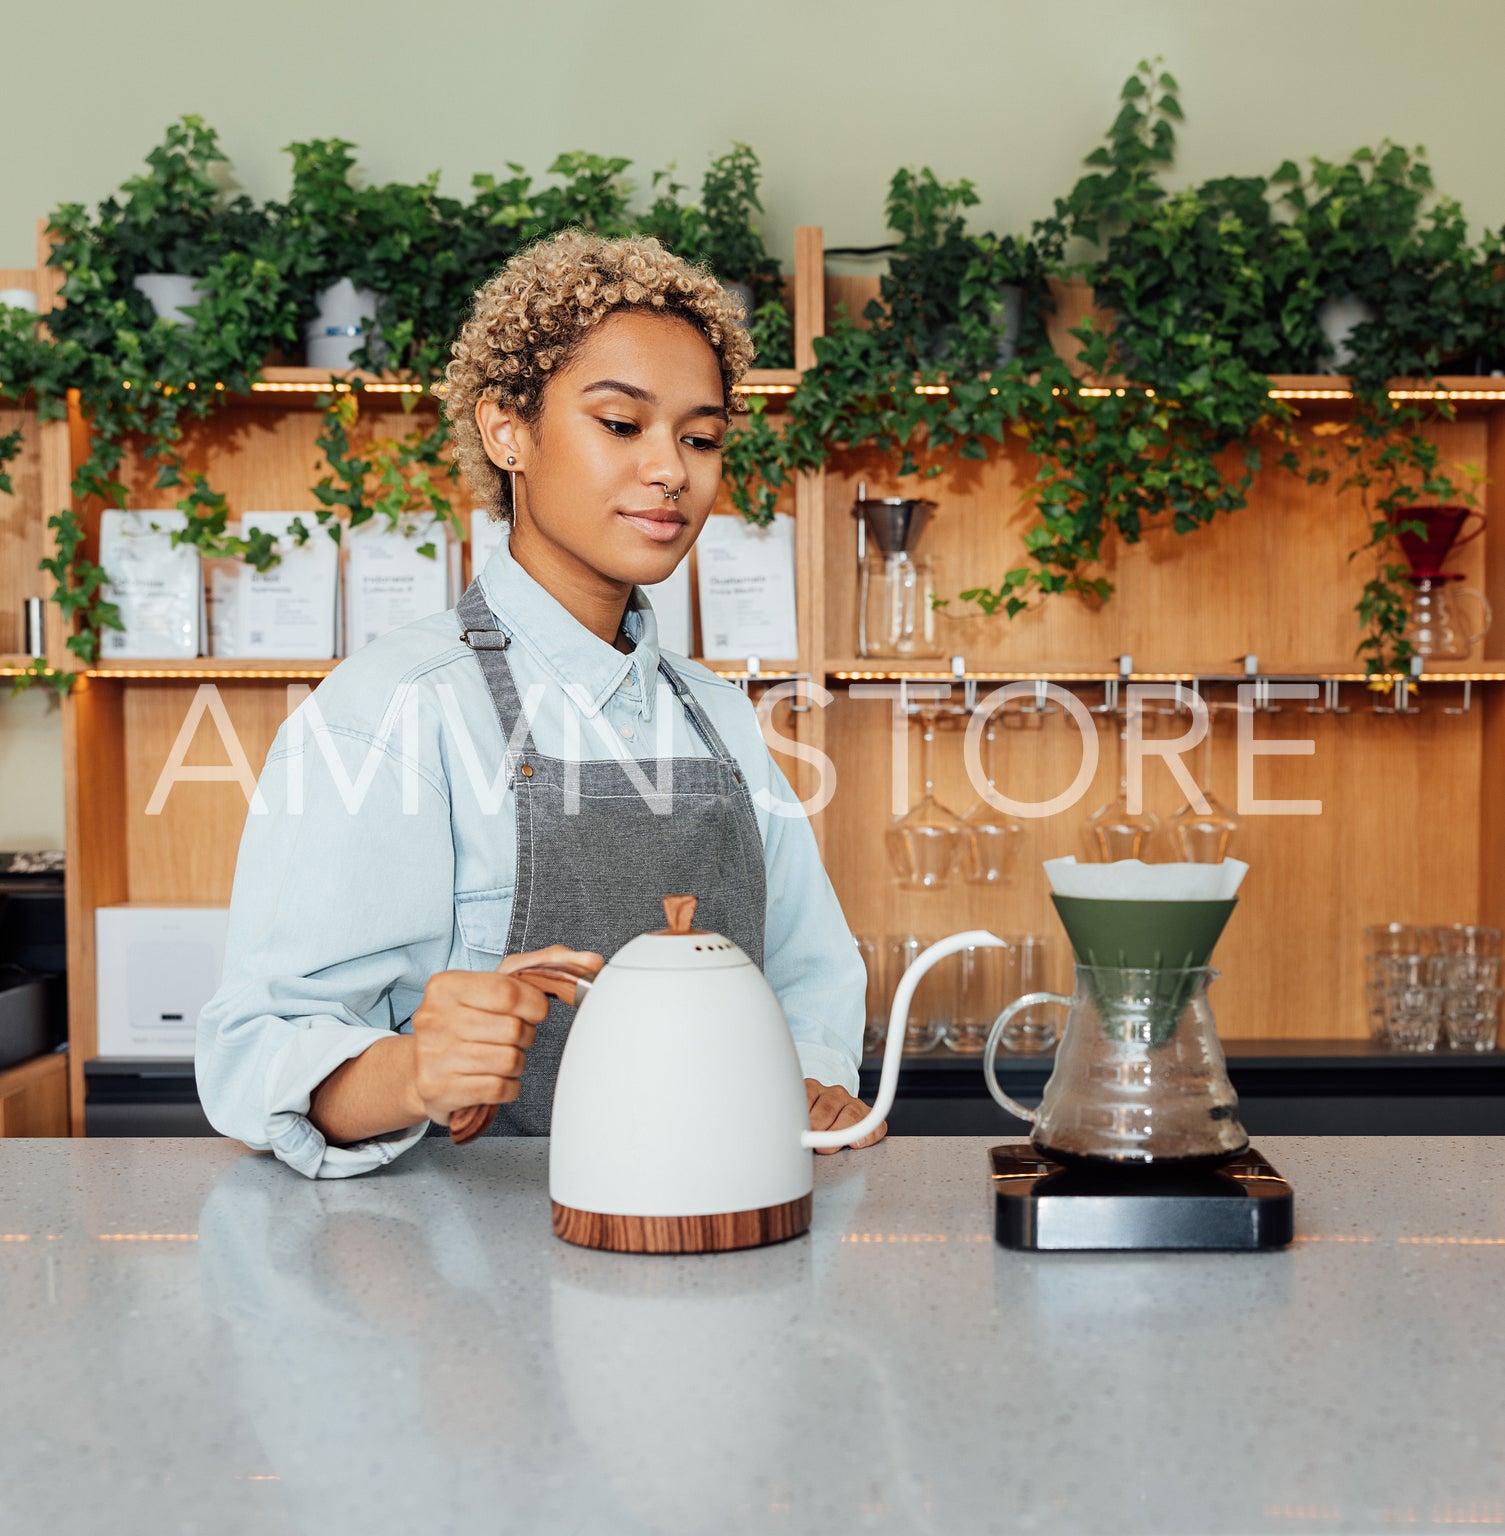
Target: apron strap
<point>479,630</point>
<point>697,716</point>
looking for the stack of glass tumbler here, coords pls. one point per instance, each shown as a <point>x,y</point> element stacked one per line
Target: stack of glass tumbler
<point>1424,984</point>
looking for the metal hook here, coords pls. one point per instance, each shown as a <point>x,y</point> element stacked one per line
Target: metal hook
<point>1400,697</point>
<point>1468,697</point>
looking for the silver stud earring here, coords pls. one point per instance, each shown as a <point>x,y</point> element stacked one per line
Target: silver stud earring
<point>510,459</point>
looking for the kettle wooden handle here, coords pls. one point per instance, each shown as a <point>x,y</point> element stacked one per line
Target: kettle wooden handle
<point>563,979</point>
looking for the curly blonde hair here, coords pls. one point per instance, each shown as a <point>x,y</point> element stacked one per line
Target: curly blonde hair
<point>528,321</point>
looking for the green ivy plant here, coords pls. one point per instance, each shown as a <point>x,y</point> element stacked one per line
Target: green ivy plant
<point>142,381</point>
<point>1210,290</point>
<point>381,477</point>
<point>720,233</point>
<point>175,216</point>
<point>1437,304</point>
<point>1115,462</point>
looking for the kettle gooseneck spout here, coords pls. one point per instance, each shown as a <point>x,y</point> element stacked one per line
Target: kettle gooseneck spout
<point>888,1079</point>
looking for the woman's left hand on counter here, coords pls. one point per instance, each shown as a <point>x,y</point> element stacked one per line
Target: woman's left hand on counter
<point>831,1108</point>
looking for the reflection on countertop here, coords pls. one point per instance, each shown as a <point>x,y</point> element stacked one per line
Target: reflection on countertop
<point>210,1342</point>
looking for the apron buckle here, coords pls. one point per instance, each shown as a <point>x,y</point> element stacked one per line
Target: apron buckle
<point>486,639</point>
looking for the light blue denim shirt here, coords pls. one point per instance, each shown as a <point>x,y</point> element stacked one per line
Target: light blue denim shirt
<point>381,845</point>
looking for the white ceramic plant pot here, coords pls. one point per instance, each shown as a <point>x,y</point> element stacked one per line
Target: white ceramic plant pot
<point>342,325</point>
<point>18,298</point>
<point>169,294</point>
<point>1337,315</point>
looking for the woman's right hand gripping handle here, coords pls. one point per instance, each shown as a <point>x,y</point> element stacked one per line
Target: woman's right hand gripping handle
<point>473,1031</point>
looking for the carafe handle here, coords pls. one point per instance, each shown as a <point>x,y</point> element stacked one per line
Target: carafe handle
<point>1486,613</point>
<point>989,1074</point>
<point>1473,533</point>
<point>893,1046</point>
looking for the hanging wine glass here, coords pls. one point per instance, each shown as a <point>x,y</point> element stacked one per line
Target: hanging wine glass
<point>1203,837</point>
<point>1114,831</point>
<point>992,838</point>
<point>923,844</point>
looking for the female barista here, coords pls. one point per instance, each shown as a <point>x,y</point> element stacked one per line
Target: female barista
<point>525,776</point>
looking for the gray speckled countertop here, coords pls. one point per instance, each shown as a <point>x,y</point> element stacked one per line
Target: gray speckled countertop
<point>197,1340</point>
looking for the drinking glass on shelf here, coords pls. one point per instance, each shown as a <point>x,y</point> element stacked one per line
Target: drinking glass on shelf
<point>1465,970</point>
<point>875,1024</point>
<point>1405,970</point>
<point>1466,939</point>
<point>927,1009</point>
<point>1114,831</point>
<point>1413,1017</point>
<point>1032,1030</point>
<point>991,838</point>
<point>1203,837</point>
<point>923,844</point>
<point>1472,1017</point>
<point>987,981</point>
<point>1399,939</point>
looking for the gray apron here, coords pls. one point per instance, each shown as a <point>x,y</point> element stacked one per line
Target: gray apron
<point>594,860</point>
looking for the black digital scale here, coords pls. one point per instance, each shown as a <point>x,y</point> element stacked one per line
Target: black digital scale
<point>1045,1204</point>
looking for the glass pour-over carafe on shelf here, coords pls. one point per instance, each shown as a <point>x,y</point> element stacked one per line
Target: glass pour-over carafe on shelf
<point>1435,625</point>
<point>895,615</point>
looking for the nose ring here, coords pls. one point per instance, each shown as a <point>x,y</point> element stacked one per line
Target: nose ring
<point>671,495</point>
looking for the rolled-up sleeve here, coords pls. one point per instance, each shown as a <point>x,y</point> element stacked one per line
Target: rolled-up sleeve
<point>809,955</point>
<point>342,908</point>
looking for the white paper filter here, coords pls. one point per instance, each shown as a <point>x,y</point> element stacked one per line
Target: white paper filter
<point>1134,880</point>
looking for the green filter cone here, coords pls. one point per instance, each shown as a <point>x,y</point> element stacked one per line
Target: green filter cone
<point>1143,935</point>
<point>1120,939</point>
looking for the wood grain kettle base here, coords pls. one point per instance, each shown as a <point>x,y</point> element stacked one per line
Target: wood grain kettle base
<point>719,1233</point>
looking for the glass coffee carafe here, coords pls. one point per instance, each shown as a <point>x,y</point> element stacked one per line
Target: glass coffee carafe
<point>896,586</point>
<point>1436,626</point>
<point>1139,1075</point>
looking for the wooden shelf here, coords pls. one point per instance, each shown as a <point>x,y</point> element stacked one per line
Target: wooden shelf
<point>224,668</point>
<point>284,386</point>
<point>13,666</point>
<point>1467,391</point>
<point>875,669</point>
<point>208,668</point>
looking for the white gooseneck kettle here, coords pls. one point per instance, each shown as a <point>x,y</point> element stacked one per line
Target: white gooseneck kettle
<point>680,1122</point>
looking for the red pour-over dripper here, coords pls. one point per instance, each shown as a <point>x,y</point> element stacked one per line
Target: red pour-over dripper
<point>1426,551</point>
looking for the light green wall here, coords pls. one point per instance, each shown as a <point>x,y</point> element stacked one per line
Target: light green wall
<point>832,95</point>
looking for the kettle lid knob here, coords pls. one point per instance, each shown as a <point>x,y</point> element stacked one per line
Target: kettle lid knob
<point>680,912</point>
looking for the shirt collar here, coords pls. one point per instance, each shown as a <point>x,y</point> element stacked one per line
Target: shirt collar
<point>563,646</point>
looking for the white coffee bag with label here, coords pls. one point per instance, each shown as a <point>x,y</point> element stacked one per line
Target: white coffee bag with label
<point>394,575</point>
<point>159,590</point>
<point>288,610</point>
